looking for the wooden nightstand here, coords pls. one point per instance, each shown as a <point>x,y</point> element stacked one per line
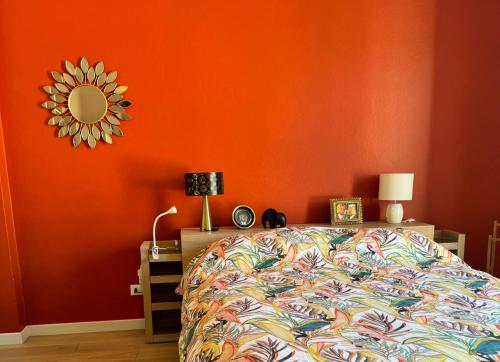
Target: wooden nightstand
<point>160,277</point>
<point>451,240</point>
<point>194,239</point>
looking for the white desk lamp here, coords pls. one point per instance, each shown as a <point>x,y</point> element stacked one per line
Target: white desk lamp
<point>155,249</point>
<point>395,187</point>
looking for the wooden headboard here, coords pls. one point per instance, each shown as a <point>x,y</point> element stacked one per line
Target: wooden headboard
<point>193,239</point>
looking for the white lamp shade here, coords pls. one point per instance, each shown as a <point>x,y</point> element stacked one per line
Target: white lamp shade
<point>395,186</point>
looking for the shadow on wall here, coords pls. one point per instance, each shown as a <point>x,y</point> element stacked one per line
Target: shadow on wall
<point>112,262</point>
<point>464,171</point>
<point>162,182</point>
<point>359,89</point>
<point>318,208</point>
<point>367,188</point>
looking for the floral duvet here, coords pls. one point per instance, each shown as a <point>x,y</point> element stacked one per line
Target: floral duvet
<point>329,294</point>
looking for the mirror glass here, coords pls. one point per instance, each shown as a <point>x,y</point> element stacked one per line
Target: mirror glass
<point>87,104</point>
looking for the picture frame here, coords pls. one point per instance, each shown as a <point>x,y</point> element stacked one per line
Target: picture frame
<point>345,211</point>
<point>243,217</point>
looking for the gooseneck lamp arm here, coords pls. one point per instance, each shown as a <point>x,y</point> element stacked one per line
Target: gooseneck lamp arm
<point>156,249</point>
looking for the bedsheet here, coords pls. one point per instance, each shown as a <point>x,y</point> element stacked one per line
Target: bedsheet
<point>333,294</point>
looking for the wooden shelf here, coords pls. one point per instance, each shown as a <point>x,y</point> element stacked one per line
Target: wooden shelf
<point>158,279</point>
<point>166,306</point>
<point>162,307</point>
<point>166,325</point>
<point>166,257</point>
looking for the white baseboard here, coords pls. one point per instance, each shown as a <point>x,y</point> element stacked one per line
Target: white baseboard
<point>13,338</point>
<point>70,328</point>
<point>85,327</point>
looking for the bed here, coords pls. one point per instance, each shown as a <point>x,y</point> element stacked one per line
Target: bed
<point>333,294</point>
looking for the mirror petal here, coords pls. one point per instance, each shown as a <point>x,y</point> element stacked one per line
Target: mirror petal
<point>106,128</point>
<point>116,109</point>
<point>69,67</point>
<point>117,131</point>
<point>61,88</point>
<point>74,128</point>
<point>65,121</point>
<point>95,132</point>
<point>85,132</point>
<point>77,139</point>
<point>121,89</point>
<point>113,120</point>
<point>91,75</point>
<point>69,79</point>
<point>84,64</point>
<point>107,138</point>
<point>79,75</point>
<point>99,68</point>
<point>123,116</point>
<point>59,110</point>
<point>101,79</point>
<point>58,77</point>
<point>111,76</point>
<point>115,97</point>
<point>63,131</point>
<point>50,89</point>
<point>125,104</point>
<point>49,104</point>
<point>59,98</point>
<point>54,120</point>
<point>110,87</point>
<point>91,141</point>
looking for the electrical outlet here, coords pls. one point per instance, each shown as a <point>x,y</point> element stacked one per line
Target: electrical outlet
<point>135,289</point>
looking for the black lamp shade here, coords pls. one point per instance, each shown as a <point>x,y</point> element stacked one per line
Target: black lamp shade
<point>204,183</point>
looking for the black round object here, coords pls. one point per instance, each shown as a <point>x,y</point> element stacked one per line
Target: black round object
<point>273,219</point>
<point>269,218</point>
<point>280,220</point>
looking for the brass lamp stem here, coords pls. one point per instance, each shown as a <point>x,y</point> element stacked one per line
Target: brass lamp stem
<point>206,220</point>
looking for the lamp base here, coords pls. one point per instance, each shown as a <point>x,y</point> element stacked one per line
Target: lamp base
<point>214,228</point>
<point>394,213</point>
<point>206,220</point>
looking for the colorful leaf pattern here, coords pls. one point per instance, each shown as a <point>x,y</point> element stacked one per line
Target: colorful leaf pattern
<point>329,294</point>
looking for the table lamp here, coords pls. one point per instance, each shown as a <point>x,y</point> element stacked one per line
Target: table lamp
<point>395,187</point>
<point>204,184</point>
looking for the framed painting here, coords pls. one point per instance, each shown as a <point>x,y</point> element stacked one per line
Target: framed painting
<point>346,211</point>
<point>243,217</point>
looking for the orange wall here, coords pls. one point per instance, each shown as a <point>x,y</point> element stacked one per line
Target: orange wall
<point>464,172</point>
<point>12,318</point>
<point>10,305</point>
<point>296,101</point>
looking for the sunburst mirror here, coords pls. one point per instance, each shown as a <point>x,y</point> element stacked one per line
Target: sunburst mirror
<point>86,103</point>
